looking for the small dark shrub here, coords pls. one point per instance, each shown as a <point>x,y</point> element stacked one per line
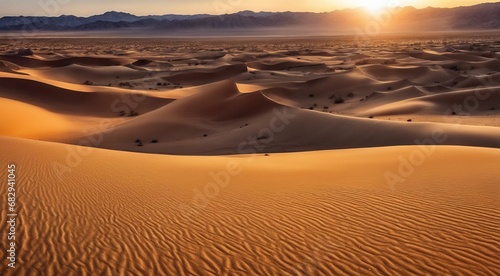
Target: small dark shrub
<point>126,84</point>
<point>339,100</point>
<point>263,137</point>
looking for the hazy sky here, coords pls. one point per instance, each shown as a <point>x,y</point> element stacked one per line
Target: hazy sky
<point>145,7</point>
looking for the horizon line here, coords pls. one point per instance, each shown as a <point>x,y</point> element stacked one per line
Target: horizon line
<point>247,10</point>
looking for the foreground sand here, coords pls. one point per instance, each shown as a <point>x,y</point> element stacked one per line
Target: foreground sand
<point>323,213</point>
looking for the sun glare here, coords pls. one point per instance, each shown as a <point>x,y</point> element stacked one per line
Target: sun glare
<point>375,6</point>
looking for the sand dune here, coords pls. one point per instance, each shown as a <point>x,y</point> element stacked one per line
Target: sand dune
<point>399,94</point>
<point>287,64</point>
<point>476,81</point>
<point>80,74</point>
<point>324,156</point>
<point>31,121</point>
<point>461,56</point>
<point>321,217</point>
<point>8,67</point>
<point>324,90</point>
<point>196,77</point>
<point>217,119</point>
<point>421,75</point>
<point>87,61</point>
<point>220,120</point>
<point>463,102</point>
<point>67,101</point>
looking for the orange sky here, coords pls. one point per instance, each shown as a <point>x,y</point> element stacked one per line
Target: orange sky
<point>329,5</point>
<point>145,7</point>
<point>339,4</point>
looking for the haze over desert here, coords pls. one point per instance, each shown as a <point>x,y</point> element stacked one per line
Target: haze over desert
<point>250,155</point>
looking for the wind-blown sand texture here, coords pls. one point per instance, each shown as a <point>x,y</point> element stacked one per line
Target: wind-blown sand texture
<point>290,157</point>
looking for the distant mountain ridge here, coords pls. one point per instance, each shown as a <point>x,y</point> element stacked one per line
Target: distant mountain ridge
<point>482,16</point>
<point>71,21</point>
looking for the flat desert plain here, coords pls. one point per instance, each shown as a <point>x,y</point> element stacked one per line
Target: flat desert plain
<point>306,156</point>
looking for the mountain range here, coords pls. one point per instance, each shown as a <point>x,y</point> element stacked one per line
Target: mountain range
<point>482,16</point>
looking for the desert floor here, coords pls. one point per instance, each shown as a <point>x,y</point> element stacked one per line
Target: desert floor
<point>313,156</point>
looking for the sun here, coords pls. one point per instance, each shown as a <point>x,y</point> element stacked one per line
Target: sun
<point>375,6</point>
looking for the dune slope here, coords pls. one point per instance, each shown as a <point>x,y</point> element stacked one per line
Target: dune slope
<point>221,120</point>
